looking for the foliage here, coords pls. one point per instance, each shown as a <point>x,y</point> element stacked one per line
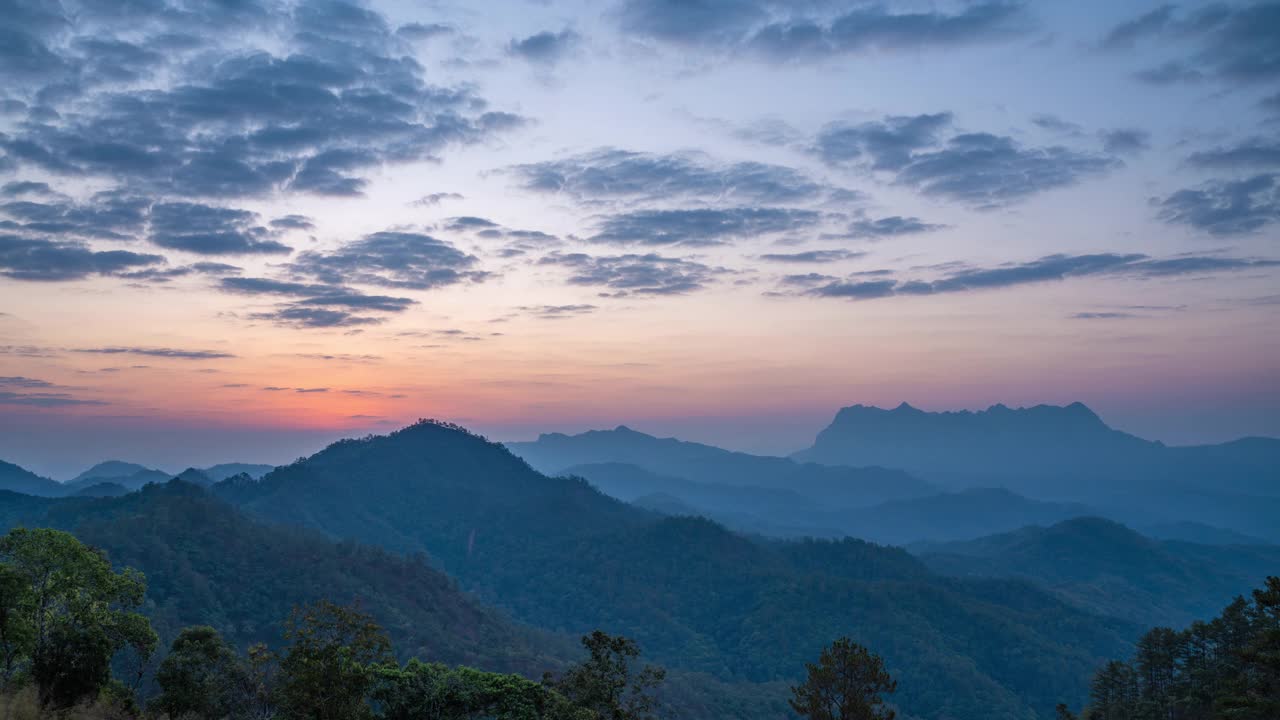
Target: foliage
<point>328,668</point>
<point>607,684</point>
<point>202,676</point>
<point>845,684</point>
<point>1228,667</point>
<point>433,690</point>
<point>65,615</point>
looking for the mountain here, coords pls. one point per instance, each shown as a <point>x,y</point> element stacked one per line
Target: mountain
<point>553,453</point>
<point>20,480</point>
<point>218,473</point>
<point>1108,568</point>
<point>557,553</point>
<point>103,489</point>
<point>113,469</point>
<point>1200,533</point>
<point>954,516</point>
<point>194,477</point>
<point>131,476</point>
<point>208,564</point>
<point>1067,453</point>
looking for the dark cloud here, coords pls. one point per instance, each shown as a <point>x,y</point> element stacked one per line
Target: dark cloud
<point>791,31</point>
<point>892,226</point>
<point>1101,316</point>
<point>309,317</point>
<point>1055,124</point>
<point>424,31</point>
<point>614,174</point>
<point>812,256</point>
<point>545,48</point>
<point>807,279</point>
<point>293,222</point>
<point>555,312</point>
<point>1046,269</point>
<point>314,304</point>
<point>469,222</point>
<point>163,275</point>
<point>23,382</point>
<point>23,258</point>
<point>18,188</point>
<point>649,274</point>
<point>1125,141</point>
<point>436,198</point>
<point>311,390</point>
<point>106,216</point>
<point>44,400</point>
<point>1225,207</point>
<point>391,259</point>
<point>333,93</point>
<point>1124,35</point>
<point>207,230</point>
<point>701,227</point>
<point>1233,43</point>
<point>159,352</point>
<point>1254,153</point>
<point>979,169</point>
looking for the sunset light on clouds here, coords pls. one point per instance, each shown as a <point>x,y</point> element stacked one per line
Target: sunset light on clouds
<point>269,225</point>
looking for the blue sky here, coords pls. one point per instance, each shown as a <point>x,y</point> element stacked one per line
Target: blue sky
<point>720,219</point>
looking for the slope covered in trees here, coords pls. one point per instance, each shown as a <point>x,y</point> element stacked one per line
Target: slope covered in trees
<point>1107,567</point>
<point>558,554</point>
<point>208,564</point>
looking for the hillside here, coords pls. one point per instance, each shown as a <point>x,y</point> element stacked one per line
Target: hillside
<point>18,479</point>
<point>208,564</point>
<point>552,453</point>
<point>1112,570</point>
<point>557,553</point>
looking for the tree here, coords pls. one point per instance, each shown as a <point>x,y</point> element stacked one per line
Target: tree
<point>201,676</point>
<point>328,667</point>
<point>432,690</point>
<point>607,684</point>
<point>65,613</point>
<point>845,684</point>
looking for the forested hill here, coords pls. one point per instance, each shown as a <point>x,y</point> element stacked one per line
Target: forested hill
<point>830,486</point>
<point>557,553</point>
<point>208,564</point>
<point>1113,570</point>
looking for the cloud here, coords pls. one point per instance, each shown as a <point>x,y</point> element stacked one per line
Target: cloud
<point>1225,207</point>
<point>34,259</point>
<point>785,31</point>
<point>700,227</point>
<point>17,188</point>
<point>1050,268</point>
<point>892,226</point>
<point>612,174</point>
<point>107,216</point>
<point>556,312</point>
<point>268,97</point>
<point>436,198</point>
<point>403,260</point>
<point>812,256</point>
<point>1229,43</point>
<point>979,169</point>
<point>1125,141</point>
<point>44,400</point>
<point>207,230</point>
<point>545,48</point>
<point>1254,153</point>
<point>1101,316</point>
<point>1124,35</point>
<point>309,317</point>
<point>23,382</point>
<point>159,352</point>
<point>634,274</point>
<point>1055,124</point>
<point>293,222</point>
<point>164,275</point>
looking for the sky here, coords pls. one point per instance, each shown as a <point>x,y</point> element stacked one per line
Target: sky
<point>237,230</point>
